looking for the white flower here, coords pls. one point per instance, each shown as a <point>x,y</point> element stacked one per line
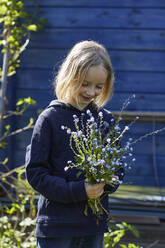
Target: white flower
<point>89,112</point>
<point>79,133</point>
<point>77,119</point>
<point>103,150</point>
<point>134,159</point>
<point>75,134</point>
<point>101,114</point>
<point>133,95</point>
<point>137,117</point>
<point>66,168</point>
<point>62,127</point>
<point>68,131</point>
<point>126,128</point>
<point>108,140</point>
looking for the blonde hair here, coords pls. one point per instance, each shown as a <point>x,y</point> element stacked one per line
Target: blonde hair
<point>73,71</point>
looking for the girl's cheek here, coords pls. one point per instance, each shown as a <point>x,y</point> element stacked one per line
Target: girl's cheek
<point>98,92</point>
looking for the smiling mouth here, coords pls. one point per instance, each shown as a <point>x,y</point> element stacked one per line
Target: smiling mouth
<point>87,98</point>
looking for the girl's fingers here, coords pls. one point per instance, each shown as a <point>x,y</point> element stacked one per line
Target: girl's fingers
<point>95,190</point>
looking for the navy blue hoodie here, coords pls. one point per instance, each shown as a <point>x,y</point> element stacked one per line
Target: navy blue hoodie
<point>62,193</point>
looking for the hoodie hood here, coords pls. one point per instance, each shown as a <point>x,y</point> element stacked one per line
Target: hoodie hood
<point>56,103</point>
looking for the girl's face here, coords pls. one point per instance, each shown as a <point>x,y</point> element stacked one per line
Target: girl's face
<point>92,86</point>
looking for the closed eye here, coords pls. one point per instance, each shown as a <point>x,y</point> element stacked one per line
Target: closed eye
<point>84,84</point>
<point>99,86</point>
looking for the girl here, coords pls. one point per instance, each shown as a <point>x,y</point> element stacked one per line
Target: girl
<point>84,82</point>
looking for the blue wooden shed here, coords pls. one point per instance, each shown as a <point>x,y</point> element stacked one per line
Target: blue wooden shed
<point>134,34</point>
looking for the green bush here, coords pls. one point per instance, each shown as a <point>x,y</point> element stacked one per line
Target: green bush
<point>17,221</point>
<point>116,233</point>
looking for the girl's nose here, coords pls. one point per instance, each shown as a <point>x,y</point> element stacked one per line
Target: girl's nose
<point>91,92</point>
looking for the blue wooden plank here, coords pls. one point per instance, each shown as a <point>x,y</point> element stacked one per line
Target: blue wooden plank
<point>146,102</point>
<point>143,102</point>
<point>144,82</point>
<point>144,147</point>
<point>112,3</point>
<point>42,97</point>
<point>111,38</point>
<point>104,17</point>
<point>132,178</point>
<point>121,60</point>
<point>144,181</point>
<point>137,129</point>
<point>35,79</point>
<point>143,166</point>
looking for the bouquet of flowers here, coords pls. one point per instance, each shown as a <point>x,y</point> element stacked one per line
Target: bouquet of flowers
<point>98,152</point>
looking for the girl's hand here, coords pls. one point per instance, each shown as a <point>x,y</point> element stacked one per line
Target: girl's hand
<point>94,190</point>
<point>114,179</point>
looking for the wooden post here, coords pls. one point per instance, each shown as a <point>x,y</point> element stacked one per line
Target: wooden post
<point>3,86</point>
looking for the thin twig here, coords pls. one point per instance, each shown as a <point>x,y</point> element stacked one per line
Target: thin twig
<point>12,171</point>
<point>16,132</point>
<point>154,243</point>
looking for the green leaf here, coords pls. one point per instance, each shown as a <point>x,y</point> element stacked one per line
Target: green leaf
<point>3,144</point>
<point>19,4</point>
<point>1,20</point>
<point>31,121</point>
<point>123,246</point>
<point>32,27</point>
<point>29,101</point>
<point>3,10</point>
<point>7,127</point>
<point>3,179</point>
<point>5,161</point>
<point>19,102</point>
<point>23,14</point>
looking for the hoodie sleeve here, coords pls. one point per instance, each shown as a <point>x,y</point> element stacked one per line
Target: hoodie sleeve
<point>37,168</point>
